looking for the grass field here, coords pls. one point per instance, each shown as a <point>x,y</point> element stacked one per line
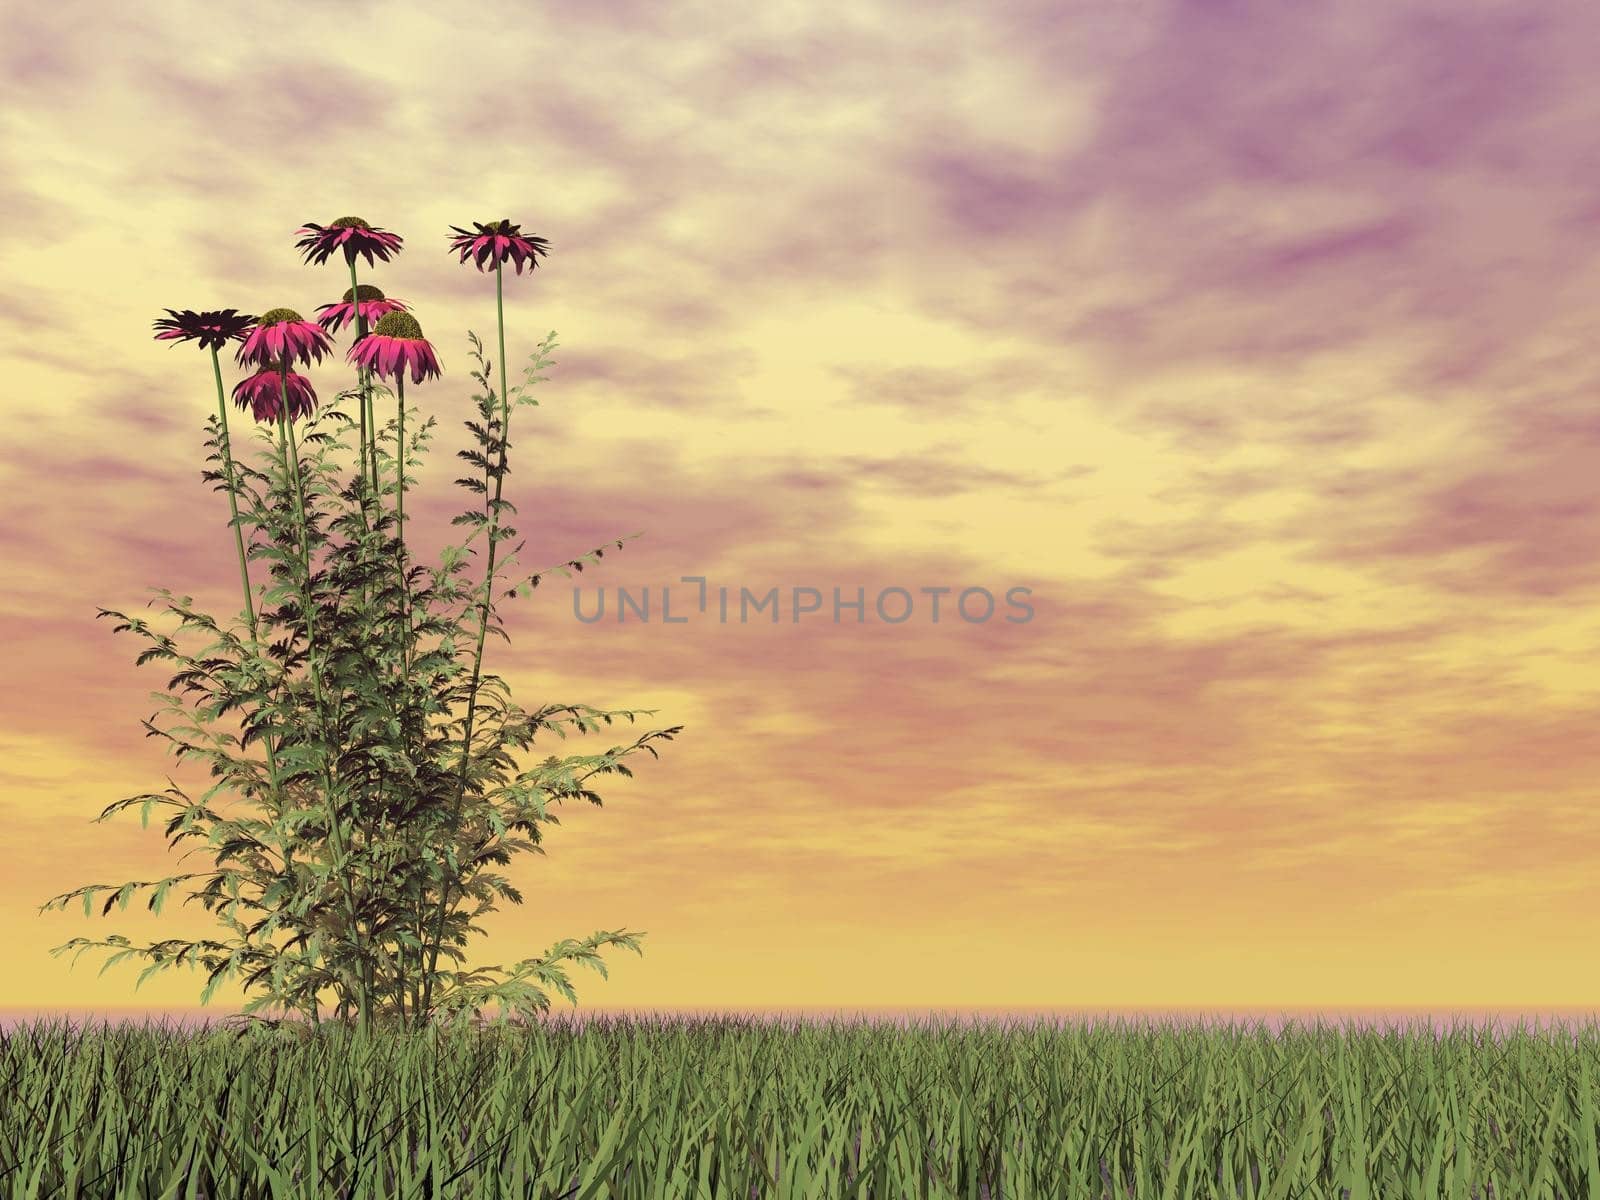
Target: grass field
<point>652,1109</point>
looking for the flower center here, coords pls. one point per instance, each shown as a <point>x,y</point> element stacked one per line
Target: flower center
<point>398,325</point>
<point>366,290</point>
<point>277,316</point>
<point>349,223</point>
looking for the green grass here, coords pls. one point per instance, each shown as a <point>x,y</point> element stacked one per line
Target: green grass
<point>652,1109</point>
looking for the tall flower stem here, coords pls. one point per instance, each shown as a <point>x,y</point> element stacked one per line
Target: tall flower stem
<point>395,346</point>
<point>238,539</point>
<point>400,461</point>
<point>363,402</point>
<point>291,465</point>
<point>361,376</point>
<point>370,418</point>
<point>483,620</point>
<point>244,578</point>
<point>400,516</point>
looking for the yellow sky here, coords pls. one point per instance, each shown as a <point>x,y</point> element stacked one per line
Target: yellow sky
<point>1255,342</point>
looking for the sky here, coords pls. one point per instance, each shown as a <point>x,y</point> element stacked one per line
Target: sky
<point>1254,340</point>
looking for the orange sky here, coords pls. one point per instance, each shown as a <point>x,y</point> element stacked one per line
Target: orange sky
<point>1256,340</point>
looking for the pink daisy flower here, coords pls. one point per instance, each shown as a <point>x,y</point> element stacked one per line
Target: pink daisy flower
<point>395,343</point>
<point>372,303</point>
<point>496,242</point>
<point>263,392</point>
<point>350,234</point>
<point>213,329</point>
<point>282,333</point>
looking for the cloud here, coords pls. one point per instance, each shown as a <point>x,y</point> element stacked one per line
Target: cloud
<point>1296,300</point>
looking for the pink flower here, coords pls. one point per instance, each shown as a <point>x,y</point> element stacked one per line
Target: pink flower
<point>283,334</point>
<point>213,329</point>
<point>395,343</point>
<point>263,391</point>
<point>351,234</point>
<point>373,304</point>
<point>496,242</point>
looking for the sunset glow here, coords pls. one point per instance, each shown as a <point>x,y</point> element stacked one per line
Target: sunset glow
<point>1241,345</point>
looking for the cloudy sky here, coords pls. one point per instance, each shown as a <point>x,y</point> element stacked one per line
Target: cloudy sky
<point>1255,339</point>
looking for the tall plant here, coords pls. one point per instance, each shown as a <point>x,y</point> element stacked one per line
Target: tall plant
<point>376,815</point>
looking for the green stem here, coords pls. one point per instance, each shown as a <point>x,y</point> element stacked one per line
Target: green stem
<point>400,515</point>
<point>361,374</point>
<point>238,540</point>
<point>405,597</point>
<point>335,832</point>
<point>371,419</point>
<point>400,465</point>
<point>483,617</point>
<point>364,384</point>
<point>364,403</point>
<point>249,600</point>
<point>405,601</point>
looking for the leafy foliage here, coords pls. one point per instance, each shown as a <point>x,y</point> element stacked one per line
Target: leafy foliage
<point>367,847</point>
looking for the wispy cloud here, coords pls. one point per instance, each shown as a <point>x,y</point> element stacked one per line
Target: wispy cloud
<point>1254,339</point>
